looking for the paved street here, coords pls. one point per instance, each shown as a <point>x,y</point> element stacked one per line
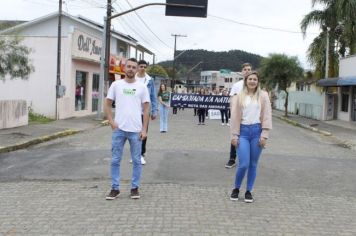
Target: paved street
<point>305,185</point>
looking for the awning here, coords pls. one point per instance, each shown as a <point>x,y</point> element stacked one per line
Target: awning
<point>347,81</point>
<point>329,82</point>
<point>337,82</point>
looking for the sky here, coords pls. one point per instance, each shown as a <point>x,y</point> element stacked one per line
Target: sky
<point>256,26</point>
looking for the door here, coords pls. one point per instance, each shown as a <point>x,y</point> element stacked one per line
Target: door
<point>95,92</point>
<point>353,110</point>
<point>330,107</point>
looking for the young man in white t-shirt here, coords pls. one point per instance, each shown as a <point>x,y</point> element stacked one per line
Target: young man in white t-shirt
<point>144,78</point>
<point>131,97</point>
<point>237,88</point>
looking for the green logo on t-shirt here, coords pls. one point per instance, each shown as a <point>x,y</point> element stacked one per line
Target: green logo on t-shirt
<point>129,91</point>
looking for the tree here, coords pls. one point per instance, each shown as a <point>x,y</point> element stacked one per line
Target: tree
<point>14,59</point>
<point>338,18</point>
<point>279,70</point>
<point>157,70</point>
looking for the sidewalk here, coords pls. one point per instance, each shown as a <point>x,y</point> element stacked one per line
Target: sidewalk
<point>344,132</point>
<point>25,136</point>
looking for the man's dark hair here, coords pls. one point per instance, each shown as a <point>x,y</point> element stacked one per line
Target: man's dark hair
<point>132,59</point>
<point>142,62</point>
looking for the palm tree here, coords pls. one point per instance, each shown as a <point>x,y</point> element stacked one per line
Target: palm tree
<point>338,17</point>
<point>279,70</point>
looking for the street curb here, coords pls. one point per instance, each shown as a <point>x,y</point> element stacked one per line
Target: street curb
<point>38,140</point>
<point>305,126</point>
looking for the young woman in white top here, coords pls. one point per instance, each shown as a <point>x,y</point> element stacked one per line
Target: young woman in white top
<point>251,119</point>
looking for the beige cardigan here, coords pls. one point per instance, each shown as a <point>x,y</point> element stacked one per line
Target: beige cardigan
<point>265,116</point>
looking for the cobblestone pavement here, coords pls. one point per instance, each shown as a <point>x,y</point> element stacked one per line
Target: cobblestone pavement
<point>79,208</point>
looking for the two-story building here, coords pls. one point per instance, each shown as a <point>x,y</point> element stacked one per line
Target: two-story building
<point>222,79</point>
<point>81,46</point>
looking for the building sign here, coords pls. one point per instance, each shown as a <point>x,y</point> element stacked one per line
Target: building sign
<point>85,46</point>
<point>200,101</point>
<point>117,65</point>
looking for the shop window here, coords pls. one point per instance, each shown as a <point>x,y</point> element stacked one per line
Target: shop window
<point>80,90</point>
<point>95,92</point>
<point>345,99</point>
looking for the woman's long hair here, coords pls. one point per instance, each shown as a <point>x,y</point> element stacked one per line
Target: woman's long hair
<point>160,89</point>
<point>244,93</point>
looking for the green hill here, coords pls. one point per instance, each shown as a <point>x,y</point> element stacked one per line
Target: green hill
<point>211,60</point>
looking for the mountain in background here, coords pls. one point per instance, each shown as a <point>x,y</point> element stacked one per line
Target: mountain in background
<point>4,24</point>
<point>210,60</point>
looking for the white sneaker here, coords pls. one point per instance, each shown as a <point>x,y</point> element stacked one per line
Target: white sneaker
<point>131,161</point>
<point>143,160</point>
<point>228,124</point>
<point>222,124</point>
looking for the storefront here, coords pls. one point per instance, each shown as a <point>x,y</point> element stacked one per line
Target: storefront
<point>81,47</point>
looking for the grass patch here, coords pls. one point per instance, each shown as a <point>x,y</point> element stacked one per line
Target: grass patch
<point>34,118</point>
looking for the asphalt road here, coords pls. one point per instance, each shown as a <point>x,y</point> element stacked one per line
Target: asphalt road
<point>191,154</point>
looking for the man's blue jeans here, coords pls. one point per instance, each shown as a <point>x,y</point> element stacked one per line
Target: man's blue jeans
<point>119,138</point>
<point>248,152</point>
<point>163,118</point>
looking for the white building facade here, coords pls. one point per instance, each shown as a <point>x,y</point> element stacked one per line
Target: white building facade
<point>222,79</point>
<point>340,99</point>
<point>80,64</point>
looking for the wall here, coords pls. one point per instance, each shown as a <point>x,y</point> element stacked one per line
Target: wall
<point>39,89</point>
<point>308,104</point>
<point>13,113</point>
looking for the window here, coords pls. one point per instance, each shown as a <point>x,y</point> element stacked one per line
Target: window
<point>80,90</point>
<point>345,99</point>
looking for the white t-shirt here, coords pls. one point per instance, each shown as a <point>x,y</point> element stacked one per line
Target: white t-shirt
<point>251,112</point>
<point>144,79</point>
<point>237,87</point>
<point>129,99</point>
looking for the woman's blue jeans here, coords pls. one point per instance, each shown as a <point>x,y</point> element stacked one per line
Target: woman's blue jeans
<point>119,138</point>
<point>163,118</point>
<point>248,152</point>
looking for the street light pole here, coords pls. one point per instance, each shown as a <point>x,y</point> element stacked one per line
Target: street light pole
<point>105,50</point>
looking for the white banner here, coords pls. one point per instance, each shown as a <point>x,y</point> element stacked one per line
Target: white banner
<point>214,114</point>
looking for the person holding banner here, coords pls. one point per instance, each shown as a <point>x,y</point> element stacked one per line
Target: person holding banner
<point>201,111</point>
<point>251,120</point>
<point>237,88</point>
<point>224,112</point>
<point>163,98</point>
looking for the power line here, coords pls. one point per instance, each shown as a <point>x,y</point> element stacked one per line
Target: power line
<point>148,27</point>
<point>136,32</point>
<point>259,26</point>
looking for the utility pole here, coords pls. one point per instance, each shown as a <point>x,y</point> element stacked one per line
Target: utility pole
<point>327,53</point>
<point>104,59</point>
<point>59,39</point>
<point>174,59</point>
<point>107,43</point>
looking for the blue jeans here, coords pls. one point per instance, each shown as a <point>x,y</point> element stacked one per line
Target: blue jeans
<point>163,118</point>
<point>248,152</point>
<point>119,138</point>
